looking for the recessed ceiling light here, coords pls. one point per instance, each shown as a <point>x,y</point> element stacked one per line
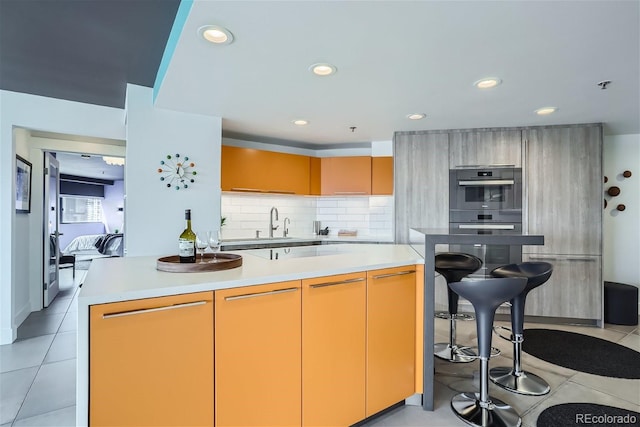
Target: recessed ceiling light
<point>416,116</point>
<point>487,83</point>
<point>545,111</point>
<point>300,122</point>
<point>323,69</point>
<point>216,34</point>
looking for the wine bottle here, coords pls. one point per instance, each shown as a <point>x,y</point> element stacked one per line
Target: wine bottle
<point>187,241</point>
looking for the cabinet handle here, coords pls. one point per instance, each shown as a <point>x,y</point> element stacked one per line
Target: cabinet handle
<point>260,294</point>
<point>249,190</point>
<point>349,192</point>
<point>487,182</point>
<point>486,227</point>
<point>281,191</point>
<point>342,282</point>
<point>400,273</point>
<point>545,258</point>
<point>150,310</point>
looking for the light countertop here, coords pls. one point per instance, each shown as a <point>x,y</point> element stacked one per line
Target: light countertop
<point>128,278</point>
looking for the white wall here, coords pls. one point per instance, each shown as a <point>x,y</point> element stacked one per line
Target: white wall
<point>20,251</point>
<point>154,214</point>
<point>19,110</point>
<point>621,260</point>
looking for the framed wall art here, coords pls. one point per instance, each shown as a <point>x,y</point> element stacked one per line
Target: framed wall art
<point>23,185</point>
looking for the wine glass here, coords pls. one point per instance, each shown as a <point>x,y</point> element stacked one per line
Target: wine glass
<point>214,242</point>
<point>201,245</point>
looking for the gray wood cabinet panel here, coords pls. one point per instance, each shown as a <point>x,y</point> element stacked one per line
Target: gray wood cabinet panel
<point>485,147</point>
<point>563,178</point>
<point>573,291</point>
<point>421,179</point>
<point>564,188</point>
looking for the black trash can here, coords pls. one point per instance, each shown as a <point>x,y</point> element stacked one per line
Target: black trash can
<point>620,304</point>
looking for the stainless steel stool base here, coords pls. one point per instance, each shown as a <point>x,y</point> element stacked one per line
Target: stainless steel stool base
<point>525,383</point>
<point>494,351</point>
<point>459,316</point>
<point>468,408</point>
<point>454,354</point>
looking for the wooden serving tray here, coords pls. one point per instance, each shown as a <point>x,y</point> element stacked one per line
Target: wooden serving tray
<point>223,261</point>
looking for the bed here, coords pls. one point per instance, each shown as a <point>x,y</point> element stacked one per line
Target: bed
<point>91,246</point>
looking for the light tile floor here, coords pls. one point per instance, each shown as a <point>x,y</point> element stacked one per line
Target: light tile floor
<point>566,385</point>
<point>37,372</point>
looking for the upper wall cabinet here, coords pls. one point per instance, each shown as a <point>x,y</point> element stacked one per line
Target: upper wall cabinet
<point>490,147</point>
<point>345,176</point>
<point>248,169</point>
<point>382,176</point>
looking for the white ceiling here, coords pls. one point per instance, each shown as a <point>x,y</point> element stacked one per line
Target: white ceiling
<point>92,166</point>
<point>399,57</point>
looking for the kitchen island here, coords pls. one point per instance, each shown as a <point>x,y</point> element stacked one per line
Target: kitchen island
<point>132,317</point>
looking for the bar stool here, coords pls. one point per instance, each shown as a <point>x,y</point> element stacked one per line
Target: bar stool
<point>454,266</point>
<point>480,409</point>
<point>514,378</point>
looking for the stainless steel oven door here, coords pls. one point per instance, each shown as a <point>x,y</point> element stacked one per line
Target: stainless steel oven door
<point>474,189</point>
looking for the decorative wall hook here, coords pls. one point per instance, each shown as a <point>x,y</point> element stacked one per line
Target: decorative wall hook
<point>613,191</point>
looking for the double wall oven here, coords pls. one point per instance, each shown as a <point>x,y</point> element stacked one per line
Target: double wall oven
<point>486,200</point>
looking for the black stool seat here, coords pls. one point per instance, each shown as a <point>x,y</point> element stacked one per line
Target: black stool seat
<point>514,378</point>
<point>454,266</point>
<point>480,409</point>
<point>536,273</point>
<point>620,304</point>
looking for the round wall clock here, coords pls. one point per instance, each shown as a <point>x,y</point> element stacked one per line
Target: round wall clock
<point>177,172</point>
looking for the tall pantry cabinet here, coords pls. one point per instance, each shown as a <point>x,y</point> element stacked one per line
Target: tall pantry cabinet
<point>421,174</point>
<point>563,199</point>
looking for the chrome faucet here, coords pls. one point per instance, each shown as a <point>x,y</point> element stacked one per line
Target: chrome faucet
<point>285,231</point>
<point>271,227</point>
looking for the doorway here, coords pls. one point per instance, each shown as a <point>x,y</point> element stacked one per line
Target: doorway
<point>60,146</point>
<point>87,208</point>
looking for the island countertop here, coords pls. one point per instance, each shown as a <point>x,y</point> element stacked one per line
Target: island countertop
<point>129,278</point>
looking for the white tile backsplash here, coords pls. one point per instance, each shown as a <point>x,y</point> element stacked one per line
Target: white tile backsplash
<point>246,213</point>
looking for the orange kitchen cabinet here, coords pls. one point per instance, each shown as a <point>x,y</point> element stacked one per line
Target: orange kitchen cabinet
<point>345,176</point>
<point>382,176</point>
<point>333,350</point>
<point>248,169</point>
<point>391,339</point>
<point>151,362</point>
<point>315,182</point>
<point>419,327</point>
<point>258,355</point>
